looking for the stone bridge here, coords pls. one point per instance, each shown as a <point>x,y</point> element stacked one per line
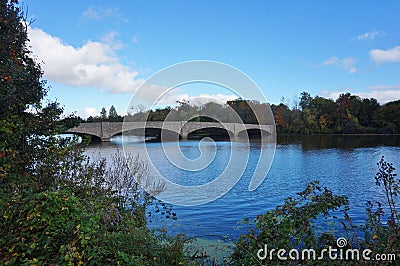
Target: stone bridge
<point>105,130</point>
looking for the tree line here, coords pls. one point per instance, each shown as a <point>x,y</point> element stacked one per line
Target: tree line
<point>348,114</point>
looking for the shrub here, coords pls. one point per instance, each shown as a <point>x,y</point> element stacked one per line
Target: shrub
<point>289,226</point>
<point>293,226</point>
<point>85,220</point>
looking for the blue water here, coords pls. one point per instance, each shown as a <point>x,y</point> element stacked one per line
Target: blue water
<point>345,165</point>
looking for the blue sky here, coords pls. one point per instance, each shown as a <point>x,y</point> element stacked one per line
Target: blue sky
<point>286,47</point>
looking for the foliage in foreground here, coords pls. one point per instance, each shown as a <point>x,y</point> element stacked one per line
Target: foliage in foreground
<point>293,226</point>
<point>57,206</point>
<point>85,219</point>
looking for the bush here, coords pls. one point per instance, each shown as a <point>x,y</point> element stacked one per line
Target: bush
<point>86,220</point>
<point>51,227</point>
<point>289,226</point>
<point>292,226</point>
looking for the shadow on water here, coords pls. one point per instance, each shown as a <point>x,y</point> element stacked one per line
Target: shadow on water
<point>317,142</point>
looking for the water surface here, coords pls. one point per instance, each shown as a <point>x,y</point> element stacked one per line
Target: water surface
<point>345,164</point>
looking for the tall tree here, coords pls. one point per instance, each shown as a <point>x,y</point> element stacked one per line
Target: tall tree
<point>25,125</point>
<point>305,100</point>
<point>103,114</point>
<point>344,108</point>
<point>112,114</point>
<point>52,199</point>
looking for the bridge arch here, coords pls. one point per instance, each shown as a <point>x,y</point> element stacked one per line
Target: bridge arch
<point>91,129</point>
<point>253,133</point>
<point>93,137</point>
<point>190,127</point>
<point>211,132</point>
<point>151,131</point>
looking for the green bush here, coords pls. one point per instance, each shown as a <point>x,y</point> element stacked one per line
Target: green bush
<point>50,226</point>
<point>293,226</point>
<point>59,228</point>
<point>289,226</point>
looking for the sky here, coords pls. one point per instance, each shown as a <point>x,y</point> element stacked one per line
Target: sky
<point>97,53</point>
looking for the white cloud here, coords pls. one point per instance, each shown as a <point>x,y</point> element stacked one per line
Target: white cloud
<point>196,100</point>
<point>88,111</point>
<point>382,94</point>
<point>382,56</point>
<point>98,13</point>
<point>135,40</point>
<point>367,36</point>
<point>94,64</point>
<point>346,63</point>
<point>384,87</point>
<point>206,98</point>
<point>163,96</point>
<point>332,94</point>
<point>111,40</point>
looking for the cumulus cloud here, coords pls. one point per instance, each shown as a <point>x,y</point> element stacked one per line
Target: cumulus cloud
<point>367,36</point>
<point>94,64</point>
<point>382,56</point>
<point>345,63</point>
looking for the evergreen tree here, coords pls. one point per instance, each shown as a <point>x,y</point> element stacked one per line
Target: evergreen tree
<point>103,114</point>
<point>112,114</point>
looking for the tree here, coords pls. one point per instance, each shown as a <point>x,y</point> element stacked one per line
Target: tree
<point>325,111</point>
<point>103,114</point>
<point>57,207</point>
<point>26,127</point>
<point>112,114</point>
<point>244,110</point>
<point>367,112</point>
<point>387,117</point>
<point>305,100</point>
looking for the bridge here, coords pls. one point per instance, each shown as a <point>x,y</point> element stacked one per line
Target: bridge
<point>105,130</point>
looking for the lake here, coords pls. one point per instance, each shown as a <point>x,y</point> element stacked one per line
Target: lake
<point>344,164</point>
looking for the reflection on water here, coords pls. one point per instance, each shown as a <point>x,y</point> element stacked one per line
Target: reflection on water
<point>311,142</point>
<point>344,164</point>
